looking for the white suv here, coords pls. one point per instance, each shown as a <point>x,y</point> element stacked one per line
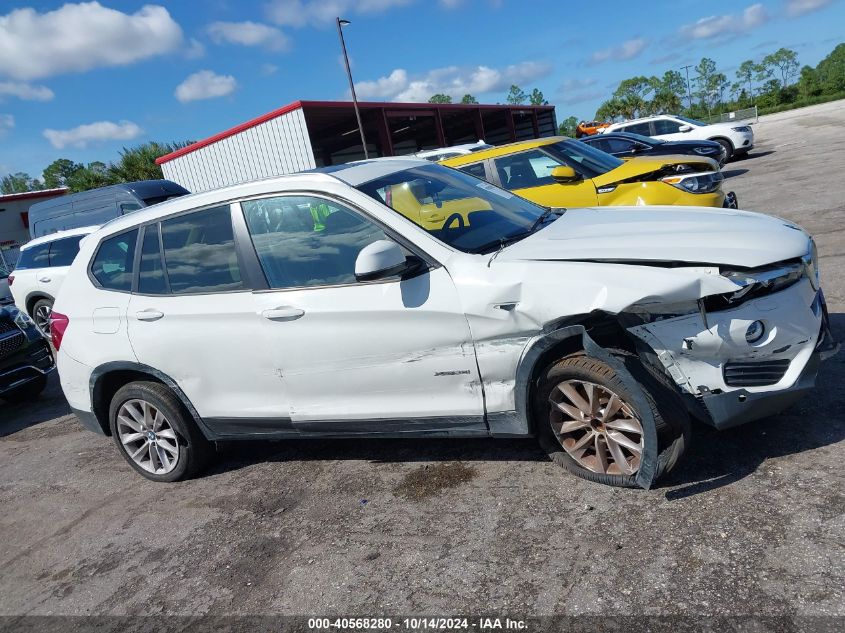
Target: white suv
<point>316,305</point>
<point>40,271</point>
<point>735,138</point>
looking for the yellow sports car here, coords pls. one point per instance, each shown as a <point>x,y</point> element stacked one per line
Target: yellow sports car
<point>560,172</point>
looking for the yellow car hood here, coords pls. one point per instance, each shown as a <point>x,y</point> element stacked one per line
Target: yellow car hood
<point>660,166</point>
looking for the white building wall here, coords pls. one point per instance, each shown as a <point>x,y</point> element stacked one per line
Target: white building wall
<point>272,148</point>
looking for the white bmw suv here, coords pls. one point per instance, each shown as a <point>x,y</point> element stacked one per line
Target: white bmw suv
<point>316,305</point>
<point>735,138</point>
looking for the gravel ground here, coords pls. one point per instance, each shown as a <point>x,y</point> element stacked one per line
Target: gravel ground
<point>752,522</point>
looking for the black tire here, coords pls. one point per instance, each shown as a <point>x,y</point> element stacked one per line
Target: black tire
<point>195,451</point>
<point>29,391</point>
<point>671,420</point>
<point>728,146</point>
<point>38,310</point>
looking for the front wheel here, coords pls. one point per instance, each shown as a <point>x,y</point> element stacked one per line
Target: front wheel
<point>155,435</point>
<point>727,146</point>
<point>588,424</point>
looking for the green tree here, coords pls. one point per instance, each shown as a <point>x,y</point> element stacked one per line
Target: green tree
<point>638,87</point>
<point>537,98</point>
<point>808,83</point>
<point>632,106</point>
<point>468,98</point>
<point>567,127</point>
<point>138,163</point>
<point>745,74</point>
<point>440,98</point>
<point>94,175</point>
<point>59,172</point>
<point>19,182</point>
<point>516,96</point>
<point>785,62</point>
<point>831,71</point>
<point>609,110</point>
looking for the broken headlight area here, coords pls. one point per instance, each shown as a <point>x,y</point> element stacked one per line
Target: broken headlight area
<point>756,283</point>
<point>706,182</point>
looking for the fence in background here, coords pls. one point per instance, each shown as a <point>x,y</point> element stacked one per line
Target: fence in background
<point>746,114</point>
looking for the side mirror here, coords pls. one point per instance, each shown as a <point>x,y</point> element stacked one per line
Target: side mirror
<point>684,128</point>
<point>564,175</point>
<point>379,260</point>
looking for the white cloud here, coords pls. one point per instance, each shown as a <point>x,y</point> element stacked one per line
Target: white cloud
<point>7,122</point>
<point>453,80</point>
<point>205,84</point>
<point>269,69</point>
<point>100,131</point>
<point>728,24</point>
<point>248,34</point>
<point>581,97</point>
<point>800,7</point>
<point>25,91</point>
<point>79,37</point>
<point>298,13</point>
<point>626,50</point>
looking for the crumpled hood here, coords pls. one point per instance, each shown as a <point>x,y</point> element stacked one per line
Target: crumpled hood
<point>663,234</point>
<point>640,165</point>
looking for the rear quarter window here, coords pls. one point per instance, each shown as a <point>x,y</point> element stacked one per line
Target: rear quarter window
<point>112,265</point>
<point>34,257</point>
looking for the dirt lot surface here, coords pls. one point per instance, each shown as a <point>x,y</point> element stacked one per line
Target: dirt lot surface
<point>751,523</point>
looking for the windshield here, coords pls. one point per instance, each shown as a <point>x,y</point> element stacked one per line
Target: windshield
<point>693,121</point>
<point>588,161</point>
<point>464,212</point>
<point>642,139</point>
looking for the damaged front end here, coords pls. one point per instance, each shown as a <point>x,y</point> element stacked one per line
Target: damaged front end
<point>742,355</point>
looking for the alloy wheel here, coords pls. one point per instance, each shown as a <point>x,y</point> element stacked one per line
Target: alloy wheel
<point>42,319</point>
<point>147,436</point>
<point>596,427</point>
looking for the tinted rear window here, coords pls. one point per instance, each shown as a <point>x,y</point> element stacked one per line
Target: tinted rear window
<point>34,257</point>
<point>63,251</point>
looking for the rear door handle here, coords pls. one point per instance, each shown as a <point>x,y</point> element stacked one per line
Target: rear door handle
<point>44,280</point>
<point>149,315</point>
<point>283,313</point>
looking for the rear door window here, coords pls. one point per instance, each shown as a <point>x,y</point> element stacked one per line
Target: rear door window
<point>63,251</point>
<point>113,264</point>
<point>639,128</point>
<point>666,126</point>
<point>34,257</point>
<point>199,252</point>
<point>151,279</point>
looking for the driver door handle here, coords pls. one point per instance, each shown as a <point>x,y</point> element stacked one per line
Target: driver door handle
<point>282,313</point>
<point>149,315</point>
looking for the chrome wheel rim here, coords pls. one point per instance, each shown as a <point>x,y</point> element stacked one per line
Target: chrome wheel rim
<point>596,427</point>
<point>147,437</point>
<point>42,318</point>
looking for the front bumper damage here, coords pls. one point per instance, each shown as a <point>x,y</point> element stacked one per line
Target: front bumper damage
<point>706,354</point>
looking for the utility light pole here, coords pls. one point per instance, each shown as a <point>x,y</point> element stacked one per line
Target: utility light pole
<point>340,25</point>
<point>689,91</point>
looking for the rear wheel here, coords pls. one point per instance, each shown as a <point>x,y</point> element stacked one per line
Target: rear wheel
<point>41,311</point>
<point>588,424</point>
<point>727,146</point>
<point>155,435</point>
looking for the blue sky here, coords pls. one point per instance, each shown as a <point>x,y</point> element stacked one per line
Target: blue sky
<point>81,80</point>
